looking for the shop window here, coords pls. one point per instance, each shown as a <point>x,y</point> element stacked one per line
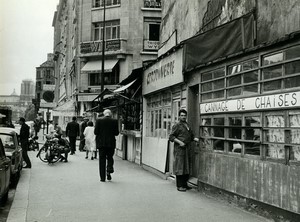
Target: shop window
<point>110,78</point>
<point>158,123</point>
<point>213,84</point>
<point>294,119</point>
<point>232,133</point>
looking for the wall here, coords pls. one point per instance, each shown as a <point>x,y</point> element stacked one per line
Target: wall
<point>271,183</point>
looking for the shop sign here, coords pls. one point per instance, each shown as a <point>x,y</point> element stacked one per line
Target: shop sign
<point>276,101</point>
<point>86,98</point>
<point>47,87</point>
<point>164,73</point>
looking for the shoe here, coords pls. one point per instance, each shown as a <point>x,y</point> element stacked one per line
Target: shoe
<point>188,188</point>
<point>66,161</point>
<point>108,176</point>
<point>27,167</point>
<point>71,153</point>
<point>92,158</point>
<point>86,157</point>
<point>181,189</point>
<point>102,180</point>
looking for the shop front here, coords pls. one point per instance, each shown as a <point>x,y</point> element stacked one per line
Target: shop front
<point>164,93</point>
<point>249,123</point>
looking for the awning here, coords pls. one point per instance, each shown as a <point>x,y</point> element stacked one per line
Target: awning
<point>103,93</point>
<point>67,109</point>
<point>118,90</point>
<point>96,66</point>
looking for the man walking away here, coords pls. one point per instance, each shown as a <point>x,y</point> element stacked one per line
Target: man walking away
<point>83,125</point>
<point>24,135</point>
<point>105,130</point>
<point>72,131</point>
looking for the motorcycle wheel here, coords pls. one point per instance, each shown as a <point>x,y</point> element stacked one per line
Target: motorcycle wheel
<point>55,156</point>
<point>42,154</point>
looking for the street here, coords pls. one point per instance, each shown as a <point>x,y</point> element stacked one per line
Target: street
<point>73,192</point>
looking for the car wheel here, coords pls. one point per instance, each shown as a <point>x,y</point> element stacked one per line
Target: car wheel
<point>4,198</point>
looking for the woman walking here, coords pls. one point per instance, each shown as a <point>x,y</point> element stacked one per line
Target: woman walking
<point>90,140</point>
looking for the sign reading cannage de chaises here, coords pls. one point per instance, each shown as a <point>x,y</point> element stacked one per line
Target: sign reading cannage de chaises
<point>282,100</point>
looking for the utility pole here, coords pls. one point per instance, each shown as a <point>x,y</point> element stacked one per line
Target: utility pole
<point>103,48</point>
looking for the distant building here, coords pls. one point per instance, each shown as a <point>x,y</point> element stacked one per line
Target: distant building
<point>27,91</point>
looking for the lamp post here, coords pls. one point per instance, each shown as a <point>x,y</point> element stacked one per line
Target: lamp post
<point>103,49</point>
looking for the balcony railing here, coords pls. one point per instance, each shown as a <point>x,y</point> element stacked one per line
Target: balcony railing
<point>152,3</point>
<point>116,45</point>
<point>151,45</point>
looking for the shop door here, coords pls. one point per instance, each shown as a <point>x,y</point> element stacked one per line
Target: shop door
<point>193,120</point>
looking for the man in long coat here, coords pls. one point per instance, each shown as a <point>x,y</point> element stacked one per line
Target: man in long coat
<point>106,129</point>
<point>182,136</point>
<point>24,135</point>
<point>72,131</point>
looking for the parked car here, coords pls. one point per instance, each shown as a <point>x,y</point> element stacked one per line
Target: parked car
<point>13,151</point>
<point>5,171</point>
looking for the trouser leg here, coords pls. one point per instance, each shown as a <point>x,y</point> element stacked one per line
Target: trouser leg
<point>110,160</point>
<point>102,163</point>
<point>180,180</point>
<point>25,154</point>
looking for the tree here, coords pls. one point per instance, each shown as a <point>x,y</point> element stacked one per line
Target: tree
<point>30,113</point>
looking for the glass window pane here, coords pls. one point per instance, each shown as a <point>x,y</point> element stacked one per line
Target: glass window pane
<point>219,84</point>
<point>206,131</point>
<point>292,68</point>
<point>218,144</point>
<point>234,69</point>
<point>235,92</point>
<point>295,153</point>
<point>235,80</point>
<point>252,64</point>
<point>293,52</point>
<point>114,32</point>
<point>252,149</point>
<point>272,72</point>
<point>206,76</point>
<point>234,147</point>
<point>218,94</point>
<point>272,85</point>
<point>219,73</point>
<point>292,82</point>
<point>108,32</point>
<point>235,132</point>
<point>251,89</point>
<point>206,96</point>
<point>250,77</point>
<point>267,60</point>
<point>219,131</point>
<point>207,87</point>
<point>275,121</point>
<point>275,151</point>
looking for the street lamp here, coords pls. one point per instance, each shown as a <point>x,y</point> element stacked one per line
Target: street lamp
<point>103,48</point>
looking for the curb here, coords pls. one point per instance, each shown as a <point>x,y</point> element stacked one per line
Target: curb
<point>18,210</point>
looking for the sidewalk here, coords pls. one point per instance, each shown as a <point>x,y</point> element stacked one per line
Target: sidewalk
<point>73,192</point>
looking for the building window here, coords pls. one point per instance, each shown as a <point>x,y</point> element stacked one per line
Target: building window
<point>100,3</point>
<point>232,133</point>
<point>151,33</point>
<point>159,115</point>
<point>110,78</point>
<point>278,71</point>
<point>112,30</point>
<point>152,3</point>
<point>38,74</point>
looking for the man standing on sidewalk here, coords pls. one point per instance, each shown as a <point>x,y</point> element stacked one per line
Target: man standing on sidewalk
<point>72,131</point>
<point>105,130</point>
<point>24,135</point>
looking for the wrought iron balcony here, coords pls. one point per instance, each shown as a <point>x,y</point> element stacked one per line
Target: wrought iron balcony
<point>151,45</point>
<point>111,46</point>
<point>152,3</point>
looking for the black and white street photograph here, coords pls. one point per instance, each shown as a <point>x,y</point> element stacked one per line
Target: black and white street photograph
<point>149,110</point>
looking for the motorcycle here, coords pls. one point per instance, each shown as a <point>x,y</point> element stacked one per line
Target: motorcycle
<point>51,151</point>
<point>33,143</point>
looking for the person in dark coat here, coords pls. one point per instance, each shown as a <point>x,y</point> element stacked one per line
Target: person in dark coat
<point>83,125</point>
<point>72,131</point>
<point>182,136</point>
<point>24,135</point>
<point>106,129</point>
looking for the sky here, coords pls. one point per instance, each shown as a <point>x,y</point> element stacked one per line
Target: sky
<point>26,37</point>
